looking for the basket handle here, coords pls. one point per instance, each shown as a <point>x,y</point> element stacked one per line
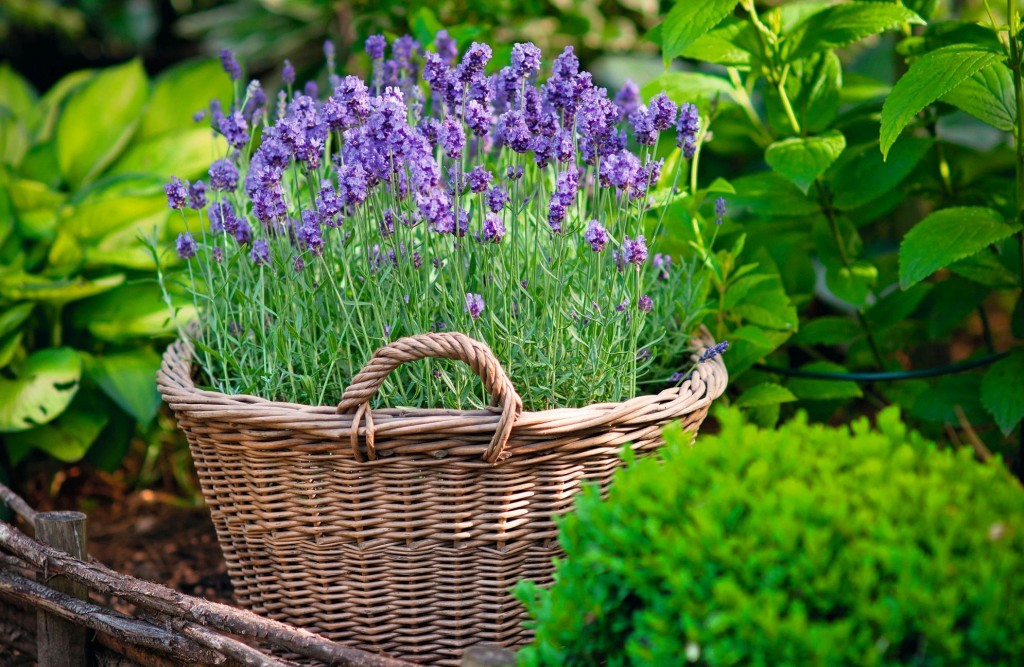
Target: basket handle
<point>443,345</point>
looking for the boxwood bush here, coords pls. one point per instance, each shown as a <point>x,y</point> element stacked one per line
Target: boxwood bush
<point>805,545</point>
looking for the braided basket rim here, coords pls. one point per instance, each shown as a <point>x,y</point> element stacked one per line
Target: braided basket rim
<point>533,432</point>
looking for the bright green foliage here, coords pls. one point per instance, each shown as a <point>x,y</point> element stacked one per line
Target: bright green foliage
<point>806,545</point>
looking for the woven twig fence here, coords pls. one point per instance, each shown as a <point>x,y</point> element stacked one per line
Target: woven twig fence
<point>402,530</point>
<point>168,629</point>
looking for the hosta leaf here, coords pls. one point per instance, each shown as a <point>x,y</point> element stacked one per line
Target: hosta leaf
<point>844,24</point>
<point>688,20</point>
<point>988,96</point>
<point>41,391</point>
<point>803,160</point>
<point>1002,391</point>
<point>67,438</point>
<point>946,236</point>
<point>181,91</point>
<point>26,286</point>
<point>186,154</point>
<point>929,78</point>
<point>129,378</point>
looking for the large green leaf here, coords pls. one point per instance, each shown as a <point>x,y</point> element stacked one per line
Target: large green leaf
<point>768,194</point>
<point>862,175</point>
<point>96,217</point>
<point>988,96</point>
<point>50,105</point>
<point>98,120</point>
<point>14,138</point>
<point>185,153</point>
<point>181,91</point>
<point>766,393</point>
<point>67,438</point>
<point>30,287</point>
<point>35,207</point>
<point>732,44</point>
<point>1002,391</point>
<point>688,20</point>
<point>803,160</point>
<point>17,95</point>
<point>947,236</point>
<point>41,391</point>
<point>844,24</point>
<point>129,379</point>
<point>130,311</point>
<point>929,78</point>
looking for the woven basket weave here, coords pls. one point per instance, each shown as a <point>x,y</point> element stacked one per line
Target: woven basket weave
<point>401,530</point>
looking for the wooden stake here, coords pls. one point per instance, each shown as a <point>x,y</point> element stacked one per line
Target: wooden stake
<point>60,642</point>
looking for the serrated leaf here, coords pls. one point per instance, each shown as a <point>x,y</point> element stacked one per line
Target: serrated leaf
<point>732,44</point>
<point>766,393</point>
<point>988,96</point>
<point>947,236</point>
<point>929,78</point>
<point>98,120</point>
<point>845,24</point>
<point>41,391</point>
<point>688,20</point>
<point>802,160</point>
<point>1002,391</point>
<point>823,390</point>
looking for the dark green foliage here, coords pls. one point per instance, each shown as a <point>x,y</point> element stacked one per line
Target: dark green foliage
<point>806,545</point>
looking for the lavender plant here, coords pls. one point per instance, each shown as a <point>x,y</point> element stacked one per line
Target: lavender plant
<point>436,197</point>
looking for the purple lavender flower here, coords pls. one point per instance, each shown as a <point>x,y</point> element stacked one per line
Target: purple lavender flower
<point>309,235</point>
<point>216,113</point>
<point>473,63</point>
<point>643,354</point>
<point>678,377</point>
<point>436,209</point>
<point>186,246</point>
<point>287,73</point>
<point>623,305</point>
<point>497,198</point>
<point>198,116</point>
<point>218,254</point>
<point>352,184</point>
<point>230,65</point>
<point>298,264</point>
<point>644,130</point>
<point>563,146</point>
<point>596,235</point>
<point>446,47</point>
<point>403,49</point>
<point>635,250</point>
<point>566,186</point>
<point>223,175</point>
<point>621,170</point>
<point>714,351</point>
<point>514,173</point>
<point>329,53</point>
<point>687,128</point>
<point>256,101</point>
<point>375,45</point>
<point>222,216</point>
<point>235,129</point>
<point>663,264</point>
<point>494,228</point>
<point>628,98</point>
<point>525,59</point>
<point>719,210</point>
<point>556,215</point>
<point>645,304</point>
<point>451,138</point>
<point>513,131</point>
<point>478,118</point>
<point>197,195</point>
<point>619,257</point>
<point>260,252</point>
<point>474,305</point>
<point>241,230</point>
<point>387,223</point>
<point>349,105</point>
<point>177,193</point>
<point>479,179</point>
<point>663,110</point>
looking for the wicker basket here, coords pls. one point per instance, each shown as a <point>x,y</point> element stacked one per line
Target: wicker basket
<point>402,530</point>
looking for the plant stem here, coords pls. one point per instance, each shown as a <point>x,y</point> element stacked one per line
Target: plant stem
<point>1018,89</point>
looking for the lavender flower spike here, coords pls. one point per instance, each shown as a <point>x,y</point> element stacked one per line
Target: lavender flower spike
<point>177,193</point>
<point>596,235</point>
<point>375,45</point>
<point>186,245</point>
<point>687,127</point>
<point>474,305</point>
<point>635,250</point>
<point>525,59</point>
<point>260,252</point>
<point>719,210</point>
<point>230,65</point>
<point>714,351</point>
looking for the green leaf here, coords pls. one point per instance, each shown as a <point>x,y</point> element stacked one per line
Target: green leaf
<point>823,390</point>
<point>14,138</point>
<point>9,346</point>
<point>17,95</point>
<point>130,311</point>
<point>844,24</point>
<point>939,403</point>
<point>41,391</point>
<point>425,25</point>
<point>950,303</point>
<point>694,87</point>
<point>129,379</point>
<point>896,307</point>
<point>181,91</point>
<point>95,217</point>
<point>27,286</point>
<point>766,393</point>
<point>1002,391</point>
<point>12,318</point>
<point>98,120</point>
<point>865,175</point>
<point>929,78</point>
<point>732,44</point>
<point>803,160</point>
<point>766,304</point>
<point>988,96</point>
<point>67,438</point>
<point>768,194</point>
<point>829,330</point>
<point>688,20</point>
<point>35,207</point>
<point>947,236</point>
<point>748,344</point>
<point>186,154</point>
<point>54,98</point>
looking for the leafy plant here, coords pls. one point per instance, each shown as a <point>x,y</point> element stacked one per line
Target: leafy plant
<point>894,238</point>
<point>801,545</point>
<point>81,175</point>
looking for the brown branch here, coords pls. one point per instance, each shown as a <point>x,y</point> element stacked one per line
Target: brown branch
<point>94,617</point>
<point>244,653</point>
<point>18,505</point>
<point>171,603</point>
<point>983,452</point>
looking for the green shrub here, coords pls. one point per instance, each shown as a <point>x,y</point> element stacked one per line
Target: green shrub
<point>802,546</point>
